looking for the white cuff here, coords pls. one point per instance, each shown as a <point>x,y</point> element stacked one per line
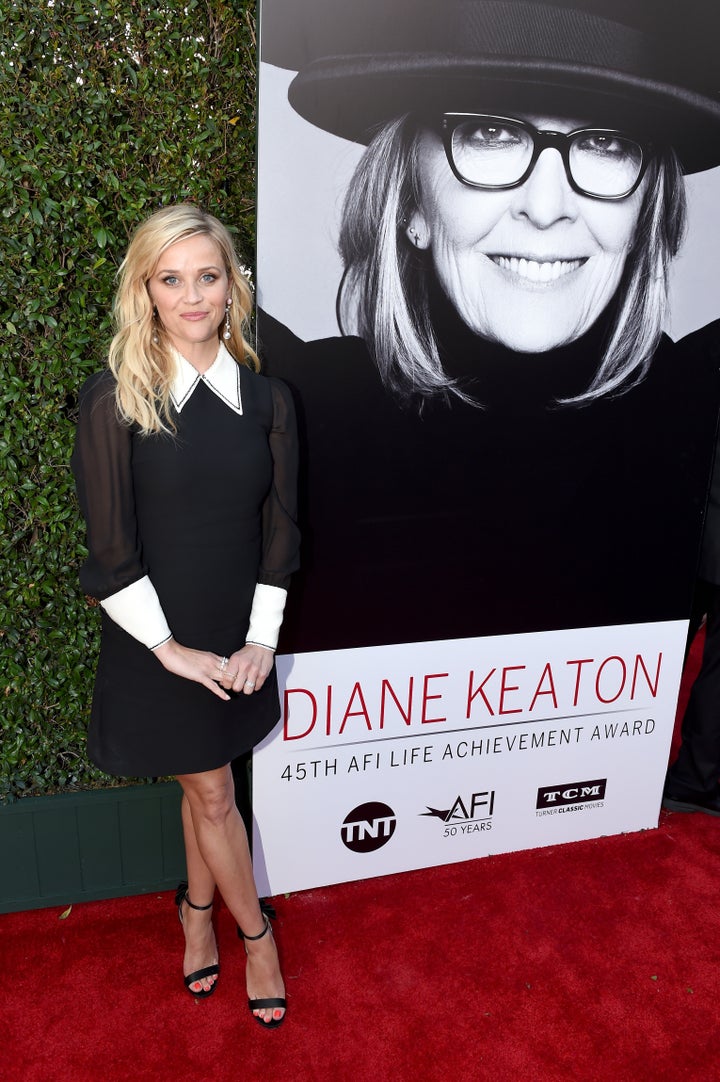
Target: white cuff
<point>137,610</point>
<point>266,615</point>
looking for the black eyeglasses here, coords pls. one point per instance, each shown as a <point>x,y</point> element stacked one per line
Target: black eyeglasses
<point>496,152</point>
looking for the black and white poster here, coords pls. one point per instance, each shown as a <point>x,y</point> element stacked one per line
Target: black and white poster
<point>486,234</point>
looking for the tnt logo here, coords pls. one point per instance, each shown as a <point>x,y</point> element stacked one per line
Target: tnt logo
<point>574,792</point>
<point>368,827</point>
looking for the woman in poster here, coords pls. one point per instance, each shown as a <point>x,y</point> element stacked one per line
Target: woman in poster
<point>504,439</point>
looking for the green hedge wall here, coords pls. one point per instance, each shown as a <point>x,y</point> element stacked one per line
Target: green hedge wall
<point>109,109</point>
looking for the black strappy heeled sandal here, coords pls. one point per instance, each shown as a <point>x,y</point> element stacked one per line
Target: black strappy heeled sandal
<point>209,971</point>
<point>261,1004</point>
<point>267,909</point>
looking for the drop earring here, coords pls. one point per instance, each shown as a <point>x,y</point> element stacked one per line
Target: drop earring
<point>155,338</point>
<point>227,333</point>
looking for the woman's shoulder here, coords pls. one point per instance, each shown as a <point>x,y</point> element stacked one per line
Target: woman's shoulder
<point>694,353</point>
<point>703,342</point>
<point>690,365</point>
<point>266,396</point>
<point>102,378</point>
<point>97,389</point>
<point>267,386</point>
<point>681,391</point>
<point>321,370</point>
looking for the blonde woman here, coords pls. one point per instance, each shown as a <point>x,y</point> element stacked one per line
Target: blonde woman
<point>185,463</point>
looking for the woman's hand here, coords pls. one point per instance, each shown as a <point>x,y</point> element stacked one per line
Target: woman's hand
<point>247,669</point>
<point>198,665</point>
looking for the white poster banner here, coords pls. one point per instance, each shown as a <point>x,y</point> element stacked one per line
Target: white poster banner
<point>393,758</point>
<point>465,238</point>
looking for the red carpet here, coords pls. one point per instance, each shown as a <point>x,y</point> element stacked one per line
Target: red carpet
<point>594,961</point>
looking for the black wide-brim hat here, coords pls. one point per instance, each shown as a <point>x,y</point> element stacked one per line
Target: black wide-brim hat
<point>360,64</point>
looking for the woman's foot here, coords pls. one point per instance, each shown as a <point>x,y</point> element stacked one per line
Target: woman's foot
<point>200,963</point>
<point>265,987</point>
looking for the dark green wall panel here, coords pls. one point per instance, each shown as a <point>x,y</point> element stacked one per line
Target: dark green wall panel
<point>74,847</point>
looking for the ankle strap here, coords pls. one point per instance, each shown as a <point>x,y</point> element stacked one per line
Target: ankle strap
<point>183,896</point>
<point>198,907</point>
<point>265,930</point>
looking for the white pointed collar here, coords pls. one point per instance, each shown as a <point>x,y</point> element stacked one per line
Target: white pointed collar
<point>222,377</point>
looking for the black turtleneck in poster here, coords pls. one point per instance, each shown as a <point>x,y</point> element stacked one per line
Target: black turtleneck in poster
<point>515,516</point>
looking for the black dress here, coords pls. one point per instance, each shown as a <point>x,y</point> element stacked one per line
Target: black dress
<point>206,513</point>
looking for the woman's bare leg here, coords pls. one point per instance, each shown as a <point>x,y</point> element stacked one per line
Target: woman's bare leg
<point>200,945</point>
<point>221,845</point>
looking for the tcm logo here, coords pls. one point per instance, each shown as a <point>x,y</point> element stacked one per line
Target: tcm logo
<point>368,827</point>
<point>576,792</point>
<point>479,806</point>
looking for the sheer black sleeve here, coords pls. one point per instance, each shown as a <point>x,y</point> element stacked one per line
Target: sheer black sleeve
<point>281,536</point>
<point>101,463</point>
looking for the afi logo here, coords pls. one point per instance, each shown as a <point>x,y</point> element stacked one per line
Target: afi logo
<point>480,806</point>
<point>368,827</point>
<point>574,792</point>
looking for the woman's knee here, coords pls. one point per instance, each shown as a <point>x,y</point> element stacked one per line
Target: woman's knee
<point>210,796</point>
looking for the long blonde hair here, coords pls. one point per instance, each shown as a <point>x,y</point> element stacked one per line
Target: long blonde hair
<point>140,355</point>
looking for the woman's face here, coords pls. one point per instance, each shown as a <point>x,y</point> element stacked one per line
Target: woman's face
<point>530,267</point>
<point>190,289</point>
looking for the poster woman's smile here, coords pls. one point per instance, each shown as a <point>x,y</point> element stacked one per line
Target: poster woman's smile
<point>534,264</point>
<point>536,269</point>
